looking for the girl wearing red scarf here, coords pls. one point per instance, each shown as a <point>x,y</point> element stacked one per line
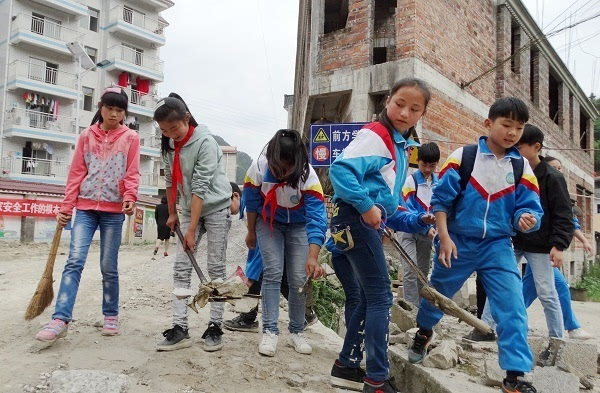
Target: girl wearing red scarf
<point>193,167</point>
<point>286,215</point>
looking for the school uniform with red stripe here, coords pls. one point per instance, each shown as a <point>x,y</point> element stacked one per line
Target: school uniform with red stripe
<point>491,204</point>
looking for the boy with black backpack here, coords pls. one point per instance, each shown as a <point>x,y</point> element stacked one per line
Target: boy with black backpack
<point>417,192</point>
<point>486,192</point>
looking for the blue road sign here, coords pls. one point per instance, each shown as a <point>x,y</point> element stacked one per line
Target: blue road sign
<point>328,140</point>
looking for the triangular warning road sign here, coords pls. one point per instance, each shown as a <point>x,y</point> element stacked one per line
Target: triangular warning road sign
<point>321,136</point>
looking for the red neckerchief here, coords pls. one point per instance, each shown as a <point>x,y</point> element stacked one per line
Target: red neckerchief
<point>177,176</point>
<point>271,199</point>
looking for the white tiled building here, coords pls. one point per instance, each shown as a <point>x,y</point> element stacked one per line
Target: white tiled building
<point>38,80</point>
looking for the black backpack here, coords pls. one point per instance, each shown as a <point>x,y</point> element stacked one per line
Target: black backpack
<point>467,163</point>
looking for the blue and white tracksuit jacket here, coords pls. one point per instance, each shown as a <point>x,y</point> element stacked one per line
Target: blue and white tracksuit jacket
<point>372,170</point>
<point>486,217</point>
<point>276,201</point>
<point>417,197</point>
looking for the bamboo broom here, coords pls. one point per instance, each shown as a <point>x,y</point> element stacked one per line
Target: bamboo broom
<point>44,293</point>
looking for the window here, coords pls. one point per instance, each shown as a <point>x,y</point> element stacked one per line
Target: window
<point>571,128</point>
<point>554,96</point>
<point>377,103</point>
<point>132,54</point>
<point>336,15</point>
<point>91,22</point>
<point>43,71</point>
<point>88,99</point>
<point>583,131</point>
<point>379,55</point>
<point>534,75</point>
<point>92,53</point>
<point>598,208</point>
<point>515,46</point>
<point>44,25</point>
<point>572,269</point>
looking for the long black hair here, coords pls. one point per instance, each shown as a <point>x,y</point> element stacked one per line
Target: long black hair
<point>172,108</point>
<point>406,82</point>
<point>111,98</point>
<point>287,146</point>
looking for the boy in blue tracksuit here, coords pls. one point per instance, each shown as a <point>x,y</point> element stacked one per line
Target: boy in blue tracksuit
<point>475,225</point>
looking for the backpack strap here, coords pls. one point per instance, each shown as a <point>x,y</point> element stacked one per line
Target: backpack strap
<point>414,176</point>
<point>467,163</point>
<point>518,167</point>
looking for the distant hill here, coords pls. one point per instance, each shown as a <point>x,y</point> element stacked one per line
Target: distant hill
<point>243,161</point>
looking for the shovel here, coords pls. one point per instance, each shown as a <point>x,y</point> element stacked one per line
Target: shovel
<point>232,289</point>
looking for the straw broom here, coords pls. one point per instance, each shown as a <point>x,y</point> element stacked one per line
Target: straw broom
<point>44,293</point>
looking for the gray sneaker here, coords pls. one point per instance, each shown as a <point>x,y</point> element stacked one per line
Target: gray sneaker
<point>175,338</point>
<point>212,337</point>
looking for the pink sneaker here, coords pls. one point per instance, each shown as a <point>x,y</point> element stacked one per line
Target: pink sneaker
<point>56,329</point>
<point>111,326</point>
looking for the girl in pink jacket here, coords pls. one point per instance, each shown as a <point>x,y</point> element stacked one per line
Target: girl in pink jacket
<point>102,185</point>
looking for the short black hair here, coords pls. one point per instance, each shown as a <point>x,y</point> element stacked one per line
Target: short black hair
<point>531,136</point>
<point>550,159</point>
<point>509,107</point>
<point>163,199</point>
<point>429,152</point>
<point>235,188</point>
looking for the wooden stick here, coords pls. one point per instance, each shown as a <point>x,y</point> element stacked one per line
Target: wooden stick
<point>44,292</point>
<point>433,296</point>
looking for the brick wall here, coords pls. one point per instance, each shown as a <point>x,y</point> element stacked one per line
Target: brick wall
<point>349,47</point>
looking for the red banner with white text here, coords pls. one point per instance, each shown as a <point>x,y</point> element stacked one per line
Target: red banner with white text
<point>28,207</point>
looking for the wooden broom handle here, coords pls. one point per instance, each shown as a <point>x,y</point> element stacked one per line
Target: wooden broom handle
<point>53,250</point>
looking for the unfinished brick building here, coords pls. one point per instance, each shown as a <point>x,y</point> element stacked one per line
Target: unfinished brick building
<point>351,51</point>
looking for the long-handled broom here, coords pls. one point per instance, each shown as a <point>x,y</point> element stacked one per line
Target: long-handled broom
<point>44,293</point>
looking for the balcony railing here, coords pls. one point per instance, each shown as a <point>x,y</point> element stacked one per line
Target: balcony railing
<point>35,119</point>
<point>138,19</point>
<point>135,57</point>
<point>149,179</point>
<point>150,141</point>
<point>43,27</point>
<point>42,73</point>
<point>142,99</point>
<point>35,167</point>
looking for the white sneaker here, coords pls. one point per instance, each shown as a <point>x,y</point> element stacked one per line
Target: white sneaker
<point>300,344</point>
<point>579,334</point>
<point>268,344</point>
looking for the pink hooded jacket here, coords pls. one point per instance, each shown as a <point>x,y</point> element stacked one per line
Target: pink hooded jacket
<point>104,172</point>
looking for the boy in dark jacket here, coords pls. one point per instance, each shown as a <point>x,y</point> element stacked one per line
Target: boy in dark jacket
<point>543,249</point>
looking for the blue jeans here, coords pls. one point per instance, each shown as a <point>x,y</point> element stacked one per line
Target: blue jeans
<point>85,225</point>
<point>368,326</point>
<point>541,280</point>
<point>494,262</point>
<point>345,274</point>
<point>564,296</point>
<point>289,243</point>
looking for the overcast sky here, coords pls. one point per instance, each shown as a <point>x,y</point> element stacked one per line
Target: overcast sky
<point>233,60</point>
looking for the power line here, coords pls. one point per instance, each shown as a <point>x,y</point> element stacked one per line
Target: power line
<point>535,40</point>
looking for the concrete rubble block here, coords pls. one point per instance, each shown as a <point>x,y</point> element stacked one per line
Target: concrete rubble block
<point>295,380</point>
<point>575,356</point>
<point>403,318</point>
<point>444,356</point>
<point>537,346</point>
<point>494,375</point>
<point>396,336</point>
<point>89,381</point>
<point>552,380</point>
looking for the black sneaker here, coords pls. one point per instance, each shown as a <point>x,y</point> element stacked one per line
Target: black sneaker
<point>310,319</point>
<point>385,387</point>
<point>347,377</point>
<point>241,324</point>
<point>175,338</point>
<point>477,336</point>
<point>156,251</point>
<point>212,337</point>
<point>418,350</point>
<point>520,386</point>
